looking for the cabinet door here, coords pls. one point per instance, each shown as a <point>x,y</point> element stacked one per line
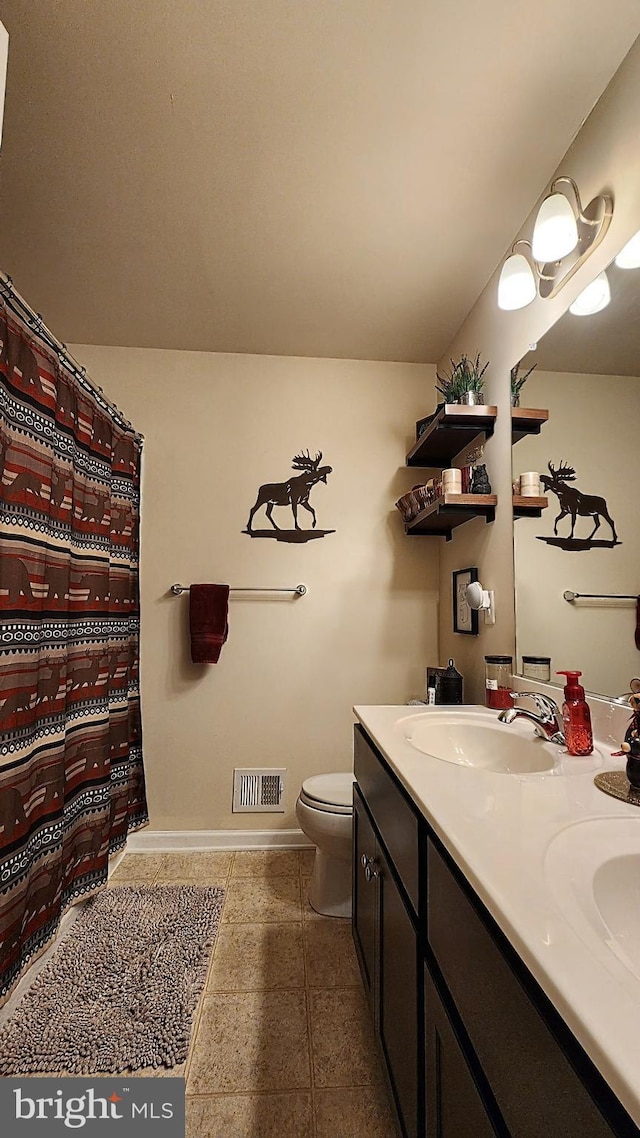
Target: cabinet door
<point>454,1107</point>
<point>365,898</point>
<point>534,1083</point>
<point>393,816</point>
<point>398,996</point>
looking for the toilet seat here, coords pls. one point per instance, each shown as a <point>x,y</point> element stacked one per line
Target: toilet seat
<point>330,793</point>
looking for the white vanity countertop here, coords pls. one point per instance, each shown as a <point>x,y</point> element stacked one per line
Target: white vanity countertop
<point>499,828</point>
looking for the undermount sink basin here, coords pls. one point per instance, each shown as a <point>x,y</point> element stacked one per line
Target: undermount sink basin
<point>477,739</point>
<point>593,871</point>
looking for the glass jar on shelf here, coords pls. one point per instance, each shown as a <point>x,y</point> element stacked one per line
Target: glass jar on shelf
<point>537,668</point>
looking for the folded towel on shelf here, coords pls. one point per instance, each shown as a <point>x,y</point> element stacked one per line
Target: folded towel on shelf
<point>208,623</point>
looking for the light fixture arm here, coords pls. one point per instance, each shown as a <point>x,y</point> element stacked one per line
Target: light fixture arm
<point>577,205</point>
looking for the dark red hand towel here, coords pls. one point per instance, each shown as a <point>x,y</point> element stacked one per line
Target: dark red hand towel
<point>208,607</point>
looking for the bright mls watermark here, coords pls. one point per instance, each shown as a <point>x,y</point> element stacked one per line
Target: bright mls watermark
<point>130,1108</point>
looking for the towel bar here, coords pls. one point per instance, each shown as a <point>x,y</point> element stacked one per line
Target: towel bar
<point>569,595</point>
<point>300,590</point>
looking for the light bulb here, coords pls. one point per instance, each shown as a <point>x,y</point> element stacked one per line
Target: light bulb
<point>556,232</point>
<point>593,298</point>
<point>629,255</point>
<point>517,286</point>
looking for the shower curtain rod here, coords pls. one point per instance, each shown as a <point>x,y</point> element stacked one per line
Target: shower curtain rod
<point>34,321</point>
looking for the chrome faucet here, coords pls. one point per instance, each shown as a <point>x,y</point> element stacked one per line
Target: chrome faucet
<point>547,721</point>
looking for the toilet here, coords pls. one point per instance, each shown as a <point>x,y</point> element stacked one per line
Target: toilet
<point>325,812</point>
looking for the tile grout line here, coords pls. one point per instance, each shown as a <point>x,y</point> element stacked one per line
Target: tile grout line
<point>307,1000</point>
<point>205,992</point>
<point>201,1001</point>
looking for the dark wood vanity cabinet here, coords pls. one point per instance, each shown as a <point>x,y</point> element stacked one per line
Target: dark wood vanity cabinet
<point>386,940</point>
<point>471,1044</point>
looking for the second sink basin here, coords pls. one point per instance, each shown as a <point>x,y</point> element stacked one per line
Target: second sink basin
<point>476,739</point>
<point>593,870</point>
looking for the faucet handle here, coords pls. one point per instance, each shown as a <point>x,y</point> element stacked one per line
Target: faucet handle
<point>544,703</point>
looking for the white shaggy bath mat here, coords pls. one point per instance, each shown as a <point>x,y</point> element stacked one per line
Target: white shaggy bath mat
<point>120,991</point>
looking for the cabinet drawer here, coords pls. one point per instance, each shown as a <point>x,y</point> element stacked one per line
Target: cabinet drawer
<point>536,1088</point>
<point>394,817</point>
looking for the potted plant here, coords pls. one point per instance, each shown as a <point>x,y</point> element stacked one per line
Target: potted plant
<point>518,382</point>
<point>465,383</point>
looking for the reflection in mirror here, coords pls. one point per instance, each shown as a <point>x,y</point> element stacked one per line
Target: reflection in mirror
<point>587,540</point>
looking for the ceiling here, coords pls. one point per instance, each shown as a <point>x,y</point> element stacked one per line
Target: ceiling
<point>335,178</point>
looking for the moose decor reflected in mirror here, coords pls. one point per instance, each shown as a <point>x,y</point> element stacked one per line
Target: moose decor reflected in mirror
<point>574,504</point>
<point>577,564</point>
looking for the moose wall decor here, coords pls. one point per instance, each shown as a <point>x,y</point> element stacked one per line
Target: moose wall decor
<point>292,494</point>
<point>575,504</point>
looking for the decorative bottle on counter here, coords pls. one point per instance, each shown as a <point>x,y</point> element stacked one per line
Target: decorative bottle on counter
<point>576,716</point>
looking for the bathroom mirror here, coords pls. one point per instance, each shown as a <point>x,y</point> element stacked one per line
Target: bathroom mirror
<point>588,377</point>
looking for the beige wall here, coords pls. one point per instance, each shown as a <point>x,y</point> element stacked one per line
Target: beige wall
<point>216,427</point>
<point>4,55</point>
<point>593,426</point>
<point>604,156</point>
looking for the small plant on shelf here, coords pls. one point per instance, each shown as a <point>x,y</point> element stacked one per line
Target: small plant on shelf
<point>518,381</point>
<point>465,383</point>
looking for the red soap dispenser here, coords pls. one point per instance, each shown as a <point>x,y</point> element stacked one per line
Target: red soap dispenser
<point>576,716</point>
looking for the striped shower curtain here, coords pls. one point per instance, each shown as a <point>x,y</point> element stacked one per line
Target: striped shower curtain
<point>71,773</point>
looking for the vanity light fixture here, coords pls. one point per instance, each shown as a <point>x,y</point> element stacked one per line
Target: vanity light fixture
<point>517,286</point>
<point>555,233</point>
<point>629,255</point>
<point>593,298</point>
<point>564,235</point>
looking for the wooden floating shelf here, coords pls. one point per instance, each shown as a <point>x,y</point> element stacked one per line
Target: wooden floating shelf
<point>528,507</point>
<point>526,421</point>
<point>442,516</point>
<point>452,429</point>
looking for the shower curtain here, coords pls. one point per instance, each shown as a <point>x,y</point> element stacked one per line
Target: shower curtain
<point>71,772</point>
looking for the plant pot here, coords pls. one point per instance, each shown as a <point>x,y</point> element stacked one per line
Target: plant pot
<point>472,398</point>
<point>515,400</point>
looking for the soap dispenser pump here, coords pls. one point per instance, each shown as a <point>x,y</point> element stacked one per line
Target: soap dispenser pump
<point>576,716</point>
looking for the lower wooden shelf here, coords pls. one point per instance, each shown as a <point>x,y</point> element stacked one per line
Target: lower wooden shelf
<point>527,421</point>
<point>528,507</point>
<point>442,516</point>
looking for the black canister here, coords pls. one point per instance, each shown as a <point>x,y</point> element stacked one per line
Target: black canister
<point>449,685</point>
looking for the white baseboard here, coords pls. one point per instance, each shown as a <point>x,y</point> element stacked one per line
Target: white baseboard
<point>218,840</point>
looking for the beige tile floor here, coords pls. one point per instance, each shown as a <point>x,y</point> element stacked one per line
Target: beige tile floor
<point>282,1045</point>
